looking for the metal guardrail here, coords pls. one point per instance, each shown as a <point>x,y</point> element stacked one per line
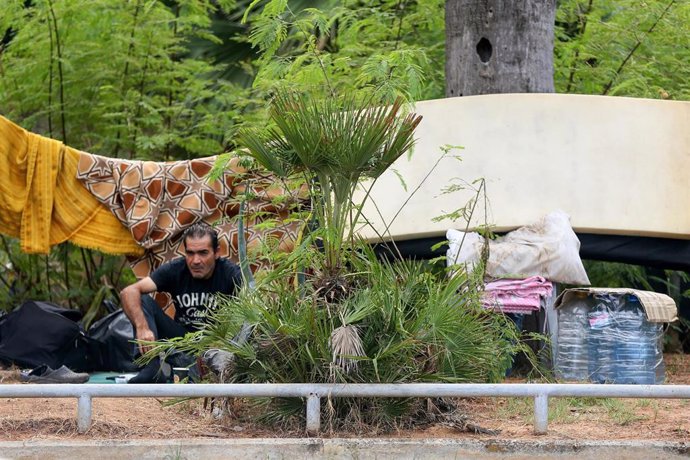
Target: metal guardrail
<point>313,392</point>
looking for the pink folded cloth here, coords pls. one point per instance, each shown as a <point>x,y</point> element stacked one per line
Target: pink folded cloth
<point>516,295</point>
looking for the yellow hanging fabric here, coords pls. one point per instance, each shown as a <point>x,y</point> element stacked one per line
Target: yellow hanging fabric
<point>43,203</point>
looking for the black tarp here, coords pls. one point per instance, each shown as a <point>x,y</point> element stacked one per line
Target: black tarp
<point>666,253</point>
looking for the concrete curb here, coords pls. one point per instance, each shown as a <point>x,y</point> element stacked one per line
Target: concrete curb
<point>282,448</point>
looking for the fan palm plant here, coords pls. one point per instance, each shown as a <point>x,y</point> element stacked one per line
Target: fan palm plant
<point>333,142</point>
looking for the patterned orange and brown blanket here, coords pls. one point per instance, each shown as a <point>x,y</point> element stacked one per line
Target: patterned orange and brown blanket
<point>157,201</point>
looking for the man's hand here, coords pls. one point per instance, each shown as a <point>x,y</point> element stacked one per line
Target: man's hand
<point>131,304</point>
<point>145,334</point>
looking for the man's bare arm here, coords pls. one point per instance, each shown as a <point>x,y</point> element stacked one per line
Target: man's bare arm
<point>131,304</point>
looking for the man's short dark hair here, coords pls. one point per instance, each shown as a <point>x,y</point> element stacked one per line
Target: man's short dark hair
<point>200,230</point>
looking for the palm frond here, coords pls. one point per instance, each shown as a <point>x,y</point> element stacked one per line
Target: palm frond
<point>346,346</point>
<point>271,151</point>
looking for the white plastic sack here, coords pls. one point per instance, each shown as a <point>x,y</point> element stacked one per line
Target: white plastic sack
<point>548,248</point>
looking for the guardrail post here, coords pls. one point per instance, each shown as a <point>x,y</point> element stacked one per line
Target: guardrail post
<point>541,413</point>
<point>313,414</point>
<point>83,413</point>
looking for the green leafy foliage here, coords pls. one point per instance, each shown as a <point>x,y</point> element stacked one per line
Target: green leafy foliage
<point>623,48</point>
<point>393,48</point>
<point>112,77</point>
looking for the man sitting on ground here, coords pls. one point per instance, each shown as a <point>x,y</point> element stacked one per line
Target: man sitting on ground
<point>193,282</point>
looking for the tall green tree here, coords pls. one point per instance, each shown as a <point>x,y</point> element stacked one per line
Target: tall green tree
<point>628,47</point>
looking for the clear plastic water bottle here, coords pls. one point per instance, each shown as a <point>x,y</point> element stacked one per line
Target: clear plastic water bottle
<point>572,355</point>
<point>659,367</point>
<point>638,351</point>
<point>601,341</point>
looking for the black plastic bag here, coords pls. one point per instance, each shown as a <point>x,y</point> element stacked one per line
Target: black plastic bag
<point>40,333</point>
<point>112,337</point>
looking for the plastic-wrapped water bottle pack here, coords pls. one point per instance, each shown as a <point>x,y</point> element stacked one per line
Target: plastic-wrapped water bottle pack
<point>606,338</point>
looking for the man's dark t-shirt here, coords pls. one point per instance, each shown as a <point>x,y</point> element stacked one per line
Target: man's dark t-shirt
<point>193,297</point>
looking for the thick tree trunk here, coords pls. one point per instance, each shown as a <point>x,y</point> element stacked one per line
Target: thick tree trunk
<point>498,46</point>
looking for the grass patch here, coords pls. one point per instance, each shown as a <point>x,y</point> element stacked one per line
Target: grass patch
<point>569,410</point>
<point>620,412</point>
<point>516,408</point>
<point>644,403</point>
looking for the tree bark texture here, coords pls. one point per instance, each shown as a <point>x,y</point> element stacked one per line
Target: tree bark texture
<point>499,46</point>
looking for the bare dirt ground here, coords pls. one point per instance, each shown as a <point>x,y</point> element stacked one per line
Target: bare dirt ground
<point>569,418</point>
